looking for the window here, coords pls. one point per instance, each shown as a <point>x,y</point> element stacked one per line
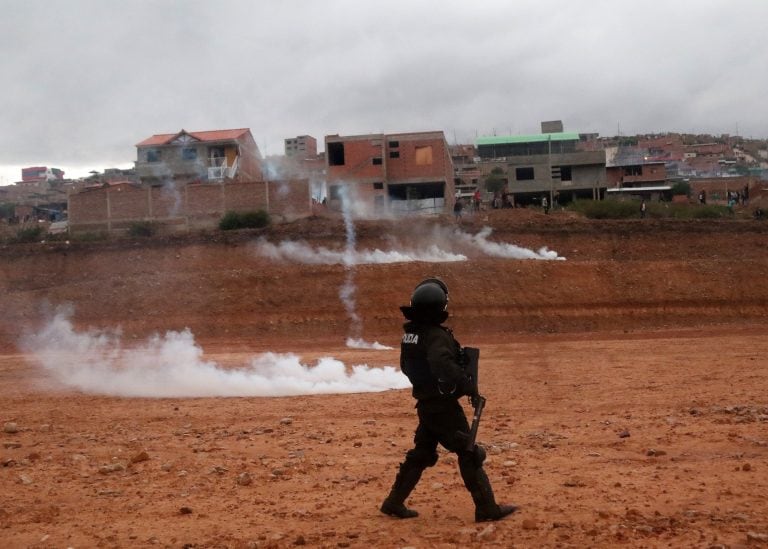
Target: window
<point>153,155</point>
<point>189,153</point>
<point>394,154</point>
<point>377,161</point>
<point>394,144</point>
<point>424,155</point>
<point>633,170</point>
<point>335,154</point>
<point>378,185</point>
<point>524,174</point>
<point>565,173</point>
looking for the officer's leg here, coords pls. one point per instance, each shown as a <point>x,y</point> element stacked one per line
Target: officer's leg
<point>476,481</point>
<point>423,455</point>
<point>453,437</point>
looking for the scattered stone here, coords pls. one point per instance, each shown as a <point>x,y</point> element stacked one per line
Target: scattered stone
<point>746,467</point>
<point>652,452</point>
<point>509,463</point>
<point>755,536</point>
<point>244,479</point>
<point>10,427</point>
<point>358,444</point>
<point>8,462</point>
<point>624,434</point>
<point>286,421</point>
<point>24,479</point>
<point>185,510</point>
<point>603,514</point>
<point>593,455</point>
<point>529,524</point>
<point>487,533</point>
<point>11,445</point>
<point>45,428</point>
<point>166,467</point>
<point>34,456</point>
<point>437,486</point>
<point>111,468</point>
<point>300,541</point>
<point>141,456</point>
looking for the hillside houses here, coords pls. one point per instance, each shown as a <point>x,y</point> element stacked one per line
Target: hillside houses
<point>406,173</point>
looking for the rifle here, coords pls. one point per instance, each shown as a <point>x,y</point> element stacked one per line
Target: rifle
<point>471,365</point>
<point>472,438</point>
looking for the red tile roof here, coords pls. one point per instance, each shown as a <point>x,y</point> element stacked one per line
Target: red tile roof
<point>214,135</point>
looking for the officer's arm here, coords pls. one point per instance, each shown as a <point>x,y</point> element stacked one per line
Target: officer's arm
<point>443,361</point>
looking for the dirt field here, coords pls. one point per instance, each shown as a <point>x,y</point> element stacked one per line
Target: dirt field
<point>626,387</point>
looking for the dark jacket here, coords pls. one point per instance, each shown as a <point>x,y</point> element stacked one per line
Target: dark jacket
<point>431,358</point>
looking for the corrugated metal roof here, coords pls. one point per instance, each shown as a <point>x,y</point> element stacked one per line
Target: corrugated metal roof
<point>213,135</point>
<point>535,138</point>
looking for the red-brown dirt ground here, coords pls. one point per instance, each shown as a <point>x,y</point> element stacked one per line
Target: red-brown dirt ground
<point>627,390</point>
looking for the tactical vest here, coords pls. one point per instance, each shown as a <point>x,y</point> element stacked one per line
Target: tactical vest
<point>414,364</point>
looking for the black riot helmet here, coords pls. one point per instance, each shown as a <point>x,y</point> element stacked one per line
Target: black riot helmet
<point>430,296</point>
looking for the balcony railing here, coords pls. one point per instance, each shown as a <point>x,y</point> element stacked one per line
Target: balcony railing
<point>218,169</point>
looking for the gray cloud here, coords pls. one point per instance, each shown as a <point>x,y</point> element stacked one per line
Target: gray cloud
<point>85,80</point>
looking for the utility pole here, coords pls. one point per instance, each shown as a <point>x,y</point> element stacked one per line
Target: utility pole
<point>549,166</point>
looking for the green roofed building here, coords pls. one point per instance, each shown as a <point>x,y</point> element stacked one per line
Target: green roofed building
<point>554,164</point>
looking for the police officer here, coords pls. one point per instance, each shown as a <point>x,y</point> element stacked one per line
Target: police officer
<point>431,358</point>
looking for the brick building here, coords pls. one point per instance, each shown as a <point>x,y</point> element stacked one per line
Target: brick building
<point>391,173</point>
<point>303,146</point>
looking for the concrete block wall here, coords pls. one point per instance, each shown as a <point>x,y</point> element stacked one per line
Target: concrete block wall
<point>289,199</point>
<point>114,209</point>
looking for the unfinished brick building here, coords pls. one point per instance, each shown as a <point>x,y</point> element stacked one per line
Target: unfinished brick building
<point>399,173</point>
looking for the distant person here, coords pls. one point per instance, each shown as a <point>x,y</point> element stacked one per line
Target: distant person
<point>457,207</point>
<point>432,359</point>
<point>642,209</point>
<point>759,214</point>
<point>545,205</point>
<point>476,198</point>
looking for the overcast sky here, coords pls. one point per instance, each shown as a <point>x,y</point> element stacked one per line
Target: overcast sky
<point>83,81</point>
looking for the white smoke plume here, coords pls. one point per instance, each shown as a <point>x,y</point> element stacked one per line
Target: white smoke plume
<point>301,252</point>
<point>171,365</point>
<point>348,289</point>
<point>503,249</point>
<point>361,344</point>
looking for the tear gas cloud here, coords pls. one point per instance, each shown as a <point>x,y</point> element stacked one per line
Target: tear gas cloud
<point>441,246</point>
<point>301,252</point>
<point>353,343</point>
<point>503,249</point>
<point>172,365</point>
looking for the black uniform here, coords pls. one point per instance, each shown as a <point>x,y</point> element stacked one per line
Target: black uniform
<point>432,359</point>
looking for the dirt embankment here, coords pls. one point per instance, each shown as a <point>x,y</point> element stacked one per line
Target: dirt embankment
<point>617,275</point>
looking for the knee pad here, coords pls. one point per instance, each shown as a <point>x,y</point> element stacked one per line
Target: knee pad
<point>421,459</point>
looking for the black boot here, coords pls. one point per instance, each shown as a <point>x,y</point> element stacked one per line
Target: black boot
<point>405,482</point>
<point>486,508</point>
